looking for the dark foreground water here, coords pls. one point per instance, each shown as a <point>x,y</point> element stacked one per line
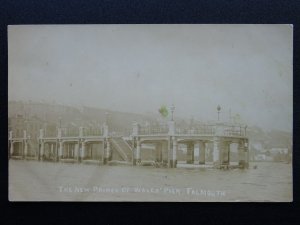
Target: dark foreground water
<point>45,181</point>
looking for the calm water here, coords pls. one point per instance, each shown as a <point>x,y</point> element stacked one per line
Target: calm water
<point>46,181</point>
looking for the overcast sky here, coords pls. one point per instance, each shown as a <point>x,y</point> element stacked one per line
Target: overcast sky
<point>138,68</point>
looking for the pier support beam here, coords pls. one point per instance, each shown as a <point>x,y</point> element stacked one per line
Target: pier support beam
<point>11,148</point>
<point>225,151</point>
<point>107,152</point>
<point>172,152</point>
<point>218,146</point>
<point>81,152</point>
<point>165,153</point>
<point>137,152</point>
<point>80,144</point>
<point>56,158</point>
<point>241,153</point>
<point>158,154</point>
<point>42,147</point>
<point>10,142</point>
<point>60,150</point>
<point>202,149</point>
<point>51,149</point>
<point>76,151</point>
<point>25,147</point>
<point>60,144</point>
<point>25,150</point>
<point>190,153</point>
<point>247,155</point>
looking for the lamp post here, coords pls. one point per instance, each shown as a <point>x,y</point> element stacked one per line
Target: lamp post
<point>106,118</point>
<point>60,122</point>
<point>45,128</point>
<point>219,109</point>
<point>26,125</point>
<point>172,111</point>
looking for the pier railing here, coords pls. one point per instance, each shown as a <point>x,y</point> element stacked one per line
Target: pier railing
<point>229,130</point>
<point>154,130</point>
<point>120,133</point>
<point>234,131</point>
<point>50,133</point>
<point>202,130</point>
<point>93,132</point>
<point>215,130</point>
<point>18,134</point>
<point>70,132</point>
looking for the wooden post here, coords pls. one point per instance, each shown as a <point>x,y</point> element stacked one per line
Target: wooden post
<point>173,153</point>
<point>107,152</point>
<point>60,150</point>
<point>202,148</point>
<point>217,149</point>
<point>190,153</point>
<point>158,152</point>
<point>241,152</point>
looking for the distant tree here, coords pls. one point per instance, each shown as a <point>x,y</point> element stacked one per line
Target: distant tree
<point>237,118</point>
<point>163,111</point>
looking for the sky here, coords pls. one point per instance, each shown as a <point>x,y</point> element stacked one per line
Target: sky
<point>246,69</point>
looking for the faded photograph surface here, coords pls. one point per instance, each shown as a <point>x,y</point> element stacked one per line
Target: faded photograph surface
<point>195,113</point>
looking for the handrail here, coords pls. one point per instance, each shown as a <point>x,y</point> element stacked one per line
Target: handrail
<point>202,129</point>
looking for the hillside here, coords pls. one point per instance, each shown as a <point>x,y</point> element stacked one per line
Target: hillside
<point>77,116</point>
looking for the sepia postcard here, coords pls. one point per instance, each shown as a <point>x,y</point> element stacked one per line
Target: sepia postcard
<point>163,113</point>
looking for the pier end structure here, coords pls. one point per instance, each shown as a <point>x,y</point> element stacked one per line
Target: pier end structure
<point>166,139</point>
